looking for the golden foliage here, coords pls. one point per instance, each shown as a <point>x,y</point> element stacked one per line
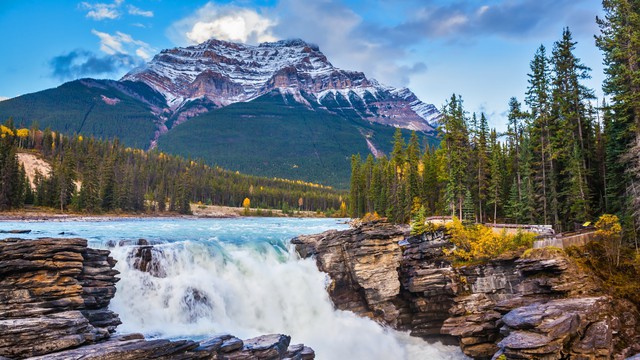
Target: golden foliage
<point>479,242</point>
<point>608,227</point>
<point>343,209</point>
<point>368,217</point>
<point>22,133</point>
<point>246,203</point>
<point>6,131</point>
<point>609,232</point>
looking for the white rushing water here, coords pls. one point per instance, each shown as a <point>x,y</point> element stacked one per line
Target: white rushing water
<point>239,277</point>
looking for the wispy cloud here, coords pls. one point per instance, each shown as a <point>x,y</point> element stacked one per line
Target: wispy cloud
<point>81,63</point>
<point>223,22</point>
<point>102,11</point>
<point>137,11</point>
<point>467,20</point>
<point>121,43</point>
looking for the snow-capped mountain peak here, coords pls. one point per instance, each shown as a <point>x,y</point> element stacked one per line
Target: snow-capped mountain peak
<point>225,72</point>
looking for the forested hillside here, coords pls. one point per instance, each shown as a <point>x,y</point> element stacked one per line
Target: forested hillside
<point>275,135</point>
<point>95,176</point>
<point>102,108</point>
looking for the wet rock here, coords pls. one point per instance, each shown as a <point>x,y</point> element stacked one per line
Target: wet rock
<point>262,347</point>
<point>363,265</point>
<point>146,259</point>
<point>54,295</point>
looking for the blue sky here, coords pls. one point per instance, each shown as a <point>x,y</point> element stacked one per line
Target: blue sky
<point>478,49</point>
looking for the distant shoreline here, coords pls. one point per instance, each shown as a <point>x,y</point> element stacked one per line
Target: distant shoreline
<point>199,212</point>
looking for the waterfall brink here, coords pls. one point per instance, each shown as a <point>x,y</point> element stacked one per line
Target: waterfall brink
<point>205,288</point>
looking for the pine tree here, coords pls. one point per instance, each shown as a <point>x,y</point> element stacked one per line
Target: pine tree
<point>538,99</point>
<point>482,163</point>
<point>356,195</point>
<point>413,160</point>
<point>456,144</point>
<point>496,175</point>
<point>620,43</point>
<point>572,139</point>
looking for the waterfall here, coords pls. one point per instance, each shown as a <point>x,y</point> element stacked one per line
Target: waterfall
<point>247,290</point>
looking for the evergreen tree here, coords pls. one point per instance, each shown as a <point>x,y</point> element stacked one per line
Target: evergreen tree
<point>538,100</point>
<point>456,144</point>
<point>572,139</point>
<point>620,43</point>
<point>482,164</point>
<point>496,175</point>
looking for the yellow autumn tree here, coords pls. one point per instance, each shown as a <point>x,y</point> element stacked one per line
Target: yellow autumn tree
<point>343,209</point>
<point>609,232</point>
<point>22,134</point>
<point>246,204</point>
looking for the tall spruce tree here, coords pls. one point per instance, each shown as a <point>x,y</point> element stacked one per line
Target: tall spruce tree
<point>620,42</point>
<point>572,137</point>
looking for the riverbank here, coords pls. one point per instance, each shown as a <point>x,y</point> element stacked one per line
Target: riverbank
<point>198,211</point>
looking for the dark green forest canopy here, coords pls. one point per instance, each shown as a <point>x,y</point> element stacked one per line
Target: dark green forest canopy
<point>276,136</point>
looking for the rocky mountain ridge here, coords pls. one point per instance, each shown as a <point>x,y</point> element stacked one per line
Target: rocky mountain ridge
<point>223,73</point>
<point>537,306</point>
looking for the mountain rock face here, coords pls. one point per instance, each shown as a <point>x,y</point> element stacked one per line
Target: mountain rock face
<point>54,298</point>
<point>223,73</point>
<point>537,306</point>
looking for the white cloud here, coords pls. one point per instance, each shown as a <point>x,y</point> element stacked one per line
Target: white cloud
<point>101,11</point>
<point>223,22</point>
<point>3,98</point>
<point>121,43</point>
<point>141,52</point>
<point>137,11</point>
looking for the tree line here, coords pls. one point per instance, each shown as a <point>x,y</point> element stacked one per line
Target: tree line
<point>562,161</point>
<point>94,176</point>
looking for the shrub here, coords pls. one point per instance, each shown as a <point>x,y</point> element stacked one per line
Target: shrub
<point>418,225</point>
<point>479,242</point>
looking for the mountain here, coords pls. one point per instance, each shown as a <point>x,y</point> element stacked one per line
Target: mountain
<point>277,109</point>
<point>222,73</point>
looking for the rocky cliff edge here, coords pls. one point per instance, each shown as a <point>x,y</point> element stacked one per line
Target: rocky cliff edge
<point>539,305</point>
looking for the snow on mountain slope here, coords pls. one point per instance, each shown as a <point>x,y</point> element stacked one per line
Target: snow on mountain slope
<point>224,73</point>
